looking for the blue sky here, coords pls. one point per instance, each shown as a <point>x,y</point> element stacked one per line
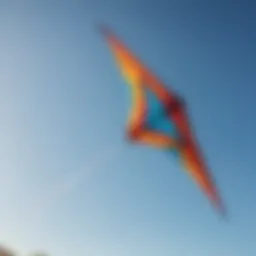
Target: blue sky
<point>70,183</point>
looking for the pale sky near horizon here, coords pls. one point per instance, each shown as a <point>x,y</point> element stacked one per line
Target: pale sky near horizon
<point>70,183</point>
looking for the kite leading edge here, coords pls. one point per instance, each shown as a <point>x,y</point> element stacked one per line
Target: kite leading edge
<point>158,117</point>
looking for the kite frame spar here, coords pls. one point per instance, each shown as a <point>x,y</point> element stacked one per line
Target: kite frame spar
<point>141,79</point>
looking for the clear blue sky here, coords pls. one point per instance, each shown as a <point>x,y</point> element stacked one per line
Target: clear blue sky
<point>70,184</point>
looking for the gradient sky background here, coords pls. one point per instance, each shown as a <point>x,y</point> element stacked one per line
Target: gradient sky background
<point>70,184</point>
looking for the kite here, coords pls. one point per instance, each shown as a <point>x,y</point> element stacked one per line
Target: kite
<point>159,117</point>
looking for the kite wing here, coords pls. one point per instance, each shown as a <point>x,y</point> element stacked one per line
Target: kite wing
<point>158,117</point>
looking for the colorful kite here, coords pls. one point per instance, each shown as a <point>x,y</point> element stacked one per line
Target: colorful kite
<point>158,117</point>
